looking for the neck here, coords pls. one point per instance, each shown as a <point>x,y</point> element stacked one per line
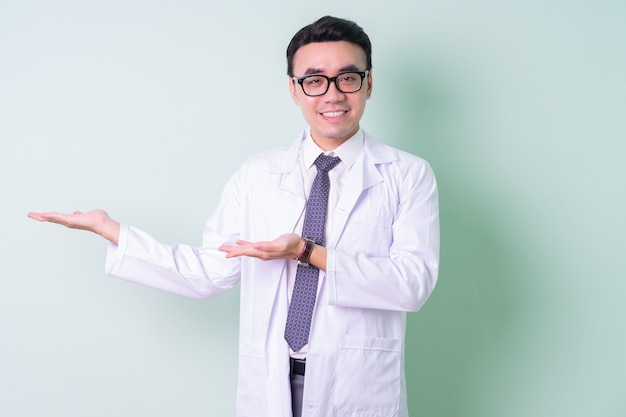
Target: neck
<point>329,144</point>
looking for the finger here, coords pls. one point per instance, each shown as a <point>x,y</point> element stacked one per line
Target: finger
<point>264,246</point>
<point>228,247</point>
<point>58,218</point>
<point>35,216</point>
<point>272,247</point>
<point>42,217</point>
<point>233,252</point>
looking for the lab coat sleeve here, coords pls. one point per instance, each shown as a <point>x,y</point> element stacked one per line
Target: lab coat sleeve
<point>402,279</point>
<point>196,272</point>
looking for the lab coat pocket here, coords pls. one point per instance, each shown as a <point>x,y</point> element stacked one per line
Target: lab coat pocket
<point>377,229</point>
<point>369,377</point>
<point>251,396</point>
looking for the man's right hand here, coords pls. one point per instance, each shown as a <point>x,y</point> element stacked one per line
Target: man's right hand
<point>96,221</point>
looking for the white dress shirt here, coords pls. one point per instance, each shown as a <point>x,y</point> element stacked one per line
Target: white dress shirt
<point>348,152</point>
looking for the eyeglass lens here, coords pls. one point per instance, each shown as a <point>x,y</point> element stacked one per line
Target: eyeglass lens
<point>348,82</point>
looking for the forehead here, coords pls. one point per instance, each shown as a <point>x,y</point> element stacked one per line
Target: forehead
<point>328,57</point>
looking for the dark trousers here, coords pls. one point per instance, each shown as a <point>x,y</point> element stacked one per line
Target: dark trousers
<point>297,386</point>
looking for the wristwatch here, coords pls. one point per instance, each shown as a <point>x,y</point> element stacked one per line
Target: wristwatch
<point>305,256</point>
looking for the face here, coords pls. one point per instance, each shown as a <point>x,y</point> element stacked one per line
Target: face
<point>333,117</point>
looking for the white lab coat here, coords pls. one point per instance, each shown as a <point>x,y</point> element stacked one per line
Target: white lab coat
<point>382,262</point>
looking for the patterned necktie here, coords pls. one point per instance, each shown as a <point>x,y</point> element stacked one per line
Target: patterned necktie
<point>305,287</point>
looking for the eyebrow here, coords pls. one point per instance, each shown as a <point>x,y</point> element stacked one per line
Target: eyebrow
<point>314,70</point>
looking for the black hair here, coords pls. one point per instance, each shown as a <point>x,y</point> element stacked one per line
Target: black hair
<point>329,29</point>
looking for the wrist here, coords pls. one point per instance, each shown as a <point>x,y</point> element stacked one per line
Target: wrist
<point>110,230</point>
<point>305,254</point>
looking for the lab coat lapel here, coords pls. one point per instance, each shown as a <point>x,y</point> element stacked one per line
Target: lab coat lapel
<point>363,175</point>
<point>291,201</point>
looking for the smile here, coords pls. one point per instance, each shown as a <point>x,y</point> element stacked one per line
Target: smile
<point>334,113</point>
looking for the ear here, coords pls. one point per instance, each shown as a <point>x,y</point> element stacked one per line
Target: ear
<point>293,91</point>
<point>369,84</point>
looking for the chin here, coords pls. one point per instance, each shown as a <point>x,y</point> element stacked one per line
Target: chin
<point>339,134</point>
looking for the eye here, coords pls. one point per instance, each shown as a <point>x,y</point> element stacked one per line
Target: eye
<point>313,81</point>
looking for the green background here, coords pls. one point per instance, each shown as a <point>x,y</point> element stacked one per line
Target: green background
<point>145,108</point>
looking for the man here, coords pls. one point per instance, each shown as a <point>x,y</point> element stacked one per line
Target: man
<point>333,239</point>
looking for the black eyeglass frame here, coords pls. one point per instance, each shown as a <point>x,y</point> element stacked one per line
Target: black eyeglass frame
<point>329,80</point>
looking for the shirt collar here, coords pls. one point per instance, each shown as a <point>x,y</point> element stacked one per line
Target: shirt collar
<point>348,151</point>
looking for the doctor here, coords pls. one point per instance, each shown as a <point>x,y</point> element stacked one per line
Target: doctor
<point>374,257</point>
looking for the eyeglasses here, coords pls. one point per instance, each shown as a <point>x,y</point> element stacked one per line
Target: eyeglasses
<point>346,82</point>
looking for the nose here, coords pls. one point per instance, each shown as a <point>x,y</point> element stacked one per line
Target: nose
<point>333,94</point>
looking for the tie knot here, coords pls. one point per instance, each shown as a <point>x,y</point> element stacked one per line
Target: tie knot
<point>326,162</point>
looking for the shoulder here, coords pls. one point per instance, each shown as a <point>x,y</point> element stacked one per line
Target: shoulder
<point>395,161</point>
<point>274,161</point>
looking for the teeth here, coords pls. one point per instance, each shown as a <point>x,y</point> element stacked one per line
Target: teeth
<point>333,113</point>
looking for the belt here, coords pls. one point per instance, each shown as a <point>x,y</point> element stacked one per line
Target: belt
<point>298,366</point>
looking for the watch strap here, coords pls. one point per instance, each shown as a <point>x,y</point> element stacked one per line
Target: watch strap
<point>305,256</point>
